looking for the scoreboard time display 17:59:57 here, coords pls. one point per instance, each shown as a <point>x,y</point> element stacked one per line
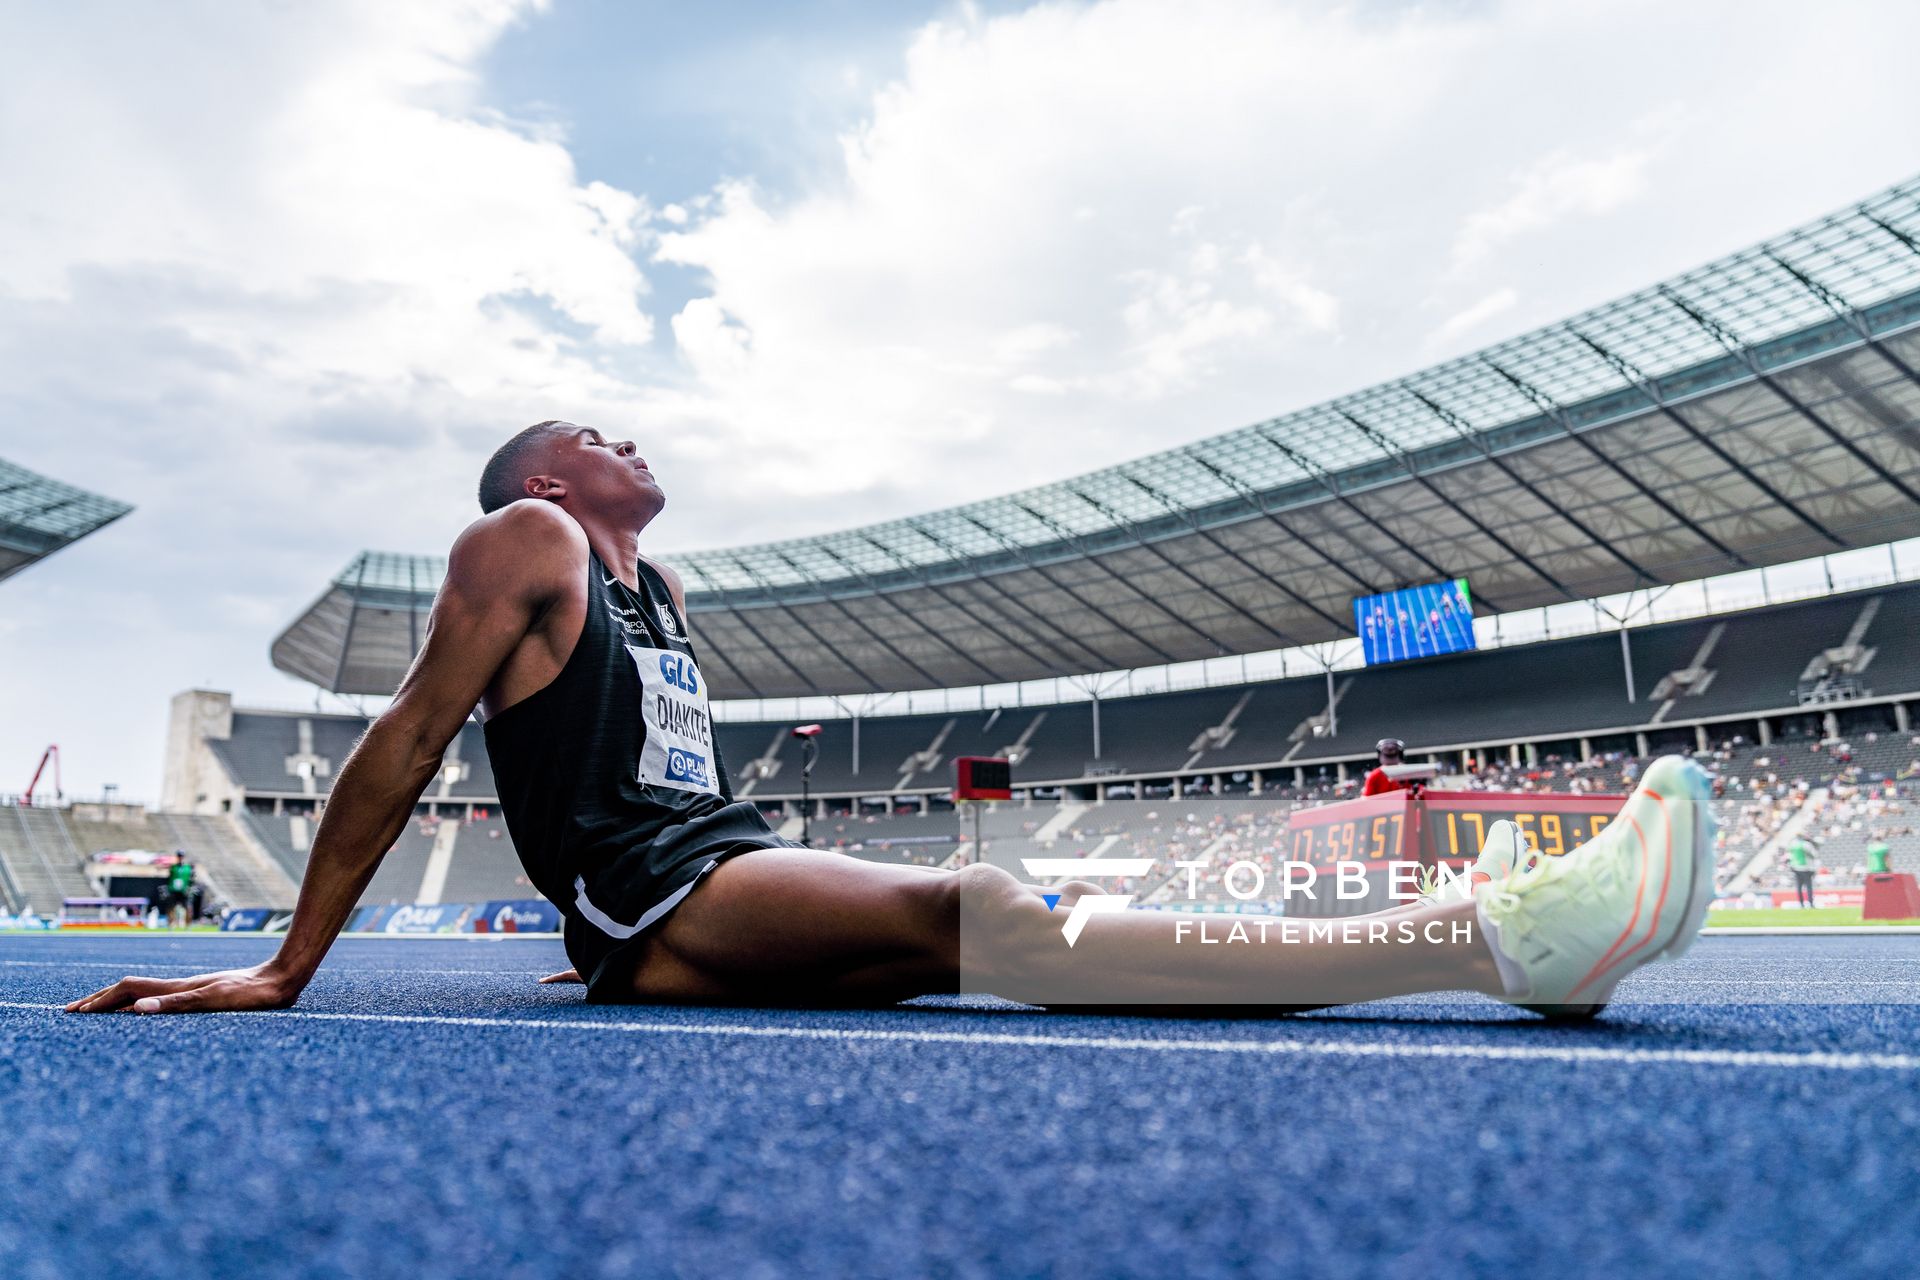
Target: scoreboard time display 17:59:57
<point>1431,826</point>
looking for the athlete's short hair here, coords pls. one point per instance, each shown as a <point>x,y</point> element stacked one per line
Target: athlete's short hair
<point>504,478</point>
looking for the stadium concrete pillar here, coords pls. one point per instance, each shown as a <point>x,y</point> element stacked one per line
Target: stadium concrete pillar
<point>1260,782</point>
<point>1340,770</point>
<point>1766,732</point>
<point>1831,723</point>
<point>926,805</point>
<point>1700,737</point>
<point>1466,760</point>
<point>1901,723</point>
<point>1586,748</point>
<point>1300,777</point>
<point>1626,662</point>
<point>1513,753</point>
<point>1532,751</point>
<point>1641,747</point>
<point>1218,782</point>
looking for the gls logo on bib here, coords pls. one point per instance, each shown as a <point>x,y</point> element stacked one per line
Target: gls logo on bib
<point>678,752</point>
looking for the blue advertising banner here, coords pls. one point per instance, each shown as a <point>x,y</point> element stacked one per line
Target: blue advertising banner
<point>517,915</point>
<point>442,917</point>
<point>245,919</point>
<point>369,919</point>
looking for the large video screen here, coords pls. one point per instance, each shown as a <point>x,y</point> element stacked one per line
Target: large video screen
<point>1415,622</point>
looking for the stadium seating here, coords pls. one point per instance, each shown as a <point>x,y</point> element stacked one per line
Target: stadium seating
<point>46,851</point>
<point>485,866</point>
<point>275,834</point>
<point>234,870</point>
<point>1554,690</point>
<point>405,866</point>
<point>41,858</point>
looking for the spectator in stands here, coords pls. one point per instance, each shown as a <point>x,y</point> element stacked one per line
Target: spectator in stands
<point>1801,857</point>
<point>1391,752</point>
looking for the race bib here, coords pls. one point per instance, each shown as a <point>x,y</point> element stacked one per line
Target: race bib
<point>679,749</point>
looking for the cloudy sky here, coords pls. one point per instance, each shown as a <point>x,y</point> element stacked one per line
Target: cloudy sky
<point>282,275</point>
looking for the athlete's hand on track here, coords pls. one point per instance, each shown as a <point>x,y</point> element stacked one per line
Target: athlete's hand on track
<point>569,975</point>
<point>230,990</point>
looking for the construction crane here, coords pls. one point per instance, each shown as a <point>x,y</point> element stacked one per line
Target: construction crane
<point>52,754</point>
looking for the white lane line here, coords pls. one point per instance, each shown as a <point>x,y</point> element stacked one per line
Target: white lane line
<point>1807,930</point>
<point>1784,982</point>
<point>125,966</point>
<point>1265,1048</point>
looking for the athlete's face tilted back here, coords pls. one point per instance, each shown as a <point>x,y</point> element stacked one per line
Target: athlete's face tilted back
<point>607,477</point>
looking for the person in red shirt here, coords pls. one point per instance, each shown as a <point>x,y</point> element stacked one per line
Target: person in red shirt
<point>1392,752</point>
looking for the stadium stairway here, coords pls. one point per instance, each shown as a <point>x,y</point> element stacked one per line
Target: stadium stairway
<point>233,866</point>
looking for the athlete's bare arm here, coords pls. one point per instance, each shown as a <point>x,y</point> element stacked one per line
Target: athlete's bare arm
<point>488,637</point>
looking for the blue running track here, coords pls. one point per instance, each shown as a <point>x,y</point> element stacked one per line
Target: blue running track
<point>1752,1111</point>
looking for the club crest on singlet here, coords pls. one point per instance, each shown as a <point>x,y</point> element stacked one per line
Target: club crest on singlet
<point>669,623</point>
<point>678,752</point>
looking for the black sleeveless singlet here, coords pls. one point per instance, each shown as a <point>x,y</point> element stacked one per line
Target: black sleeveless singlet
<point>610,776</point>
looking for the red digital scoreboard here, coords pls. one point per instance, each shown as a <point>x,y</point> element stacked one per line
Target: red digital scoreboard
<point>1431,826</point>
<point>982,778</point>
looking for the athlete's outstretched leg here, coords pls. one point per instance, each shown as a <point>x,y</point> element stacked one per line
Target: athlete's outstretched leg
<point>794,926</point>
<point>791,926</point>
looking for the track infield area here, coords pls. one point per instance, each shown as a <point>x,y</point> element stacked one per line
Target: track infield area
<point>1752,1110</point>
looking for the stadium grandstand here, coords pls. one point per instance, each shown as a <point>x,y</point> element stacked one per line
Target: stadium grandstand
<point>1188,768</point>
<point>1761,413</point>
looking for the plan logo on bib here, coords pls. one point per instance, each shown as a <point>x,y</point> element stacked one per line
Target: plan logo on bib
<point>685,766</point>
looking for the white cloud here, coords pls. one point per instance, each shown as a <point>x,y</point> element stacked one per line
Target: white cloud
<point>1558,187</point>
<point>278,277</point>
<point>1235,209</point>
<point>1471,318</point>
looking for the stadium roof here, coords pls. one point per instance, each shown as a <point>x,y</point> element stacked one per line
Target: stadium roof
<point>1761,409</point>
<point>39,516</point>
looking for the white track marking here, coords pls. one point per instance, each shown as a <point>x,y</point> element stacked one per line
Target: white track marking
<point>140,968</point>
<point>1260,1048</point>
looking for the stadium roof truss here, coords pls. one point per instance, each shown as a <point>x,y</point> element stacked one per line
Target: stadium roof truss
<point>1761,409</point>
<point>38,516</point>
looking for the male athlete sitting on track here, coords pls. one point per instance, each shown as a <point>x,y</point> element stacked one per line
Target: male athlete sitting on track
<point>574,647</point>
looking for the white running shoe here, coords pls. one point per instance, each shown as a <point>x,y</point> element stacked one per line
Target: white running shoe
<point>1567,929</point>
<point>1505,850</point>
